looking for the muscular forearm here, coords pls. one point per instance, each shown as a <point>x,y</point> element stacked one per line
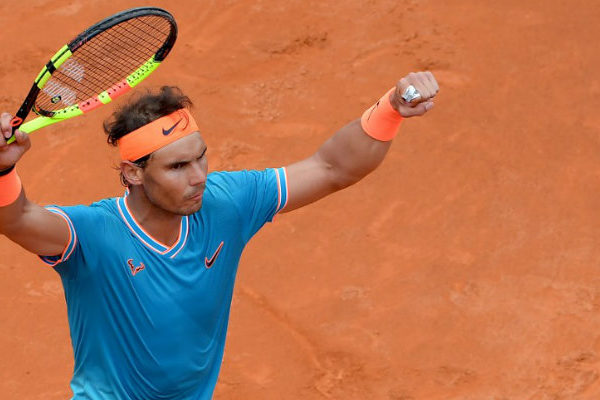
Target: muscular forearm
<point>33,227</point>
<point>24,222</point>
<point>11,214</point>
<point>359,147</point>
<point>350,154</point>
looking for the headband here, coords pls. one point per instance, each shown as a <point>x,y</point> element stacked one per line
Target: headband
<point>156,135</point>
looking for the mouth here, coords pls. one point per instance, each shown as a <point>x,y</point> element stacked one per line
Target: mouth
<point>197,197</point>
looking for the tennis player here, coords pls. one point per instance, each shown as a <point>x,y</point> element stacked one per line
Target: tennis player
<point>149,277</point>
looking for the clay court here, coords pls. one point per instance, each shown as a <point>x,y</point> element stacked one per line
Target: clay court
<point>465,267</point>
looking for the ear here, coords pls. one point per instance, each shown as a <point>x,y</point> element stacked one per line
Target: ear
<point>131,172</point>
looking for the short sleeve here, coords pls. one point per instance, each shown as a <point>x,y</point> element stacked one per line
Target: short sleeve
<point>258,196</point>
<point>82,223</point>
<point>71,245</point>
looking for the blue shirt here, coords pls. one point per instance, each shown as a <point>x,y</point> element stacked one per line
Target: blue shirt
<point>149,321</point>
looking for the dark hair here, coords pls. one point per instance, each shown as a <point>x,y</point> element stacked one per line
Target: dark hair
<point>141,111</point>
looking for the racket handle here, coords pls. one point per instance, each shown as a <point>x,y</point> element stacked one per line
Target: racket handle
<point>15,123</point>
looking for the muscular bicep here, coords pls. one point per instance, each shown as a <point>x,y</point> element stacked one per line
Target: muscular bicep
<point>308,181</point>
<point>35,228</point>
<point>344,159</point>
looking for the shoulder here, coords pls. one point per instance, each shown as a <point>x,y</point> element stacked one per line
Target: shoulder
<point>223,184</point>
<point>248,188</point>
<point>101,210</point>
<point>242,180</point>
<point>226,178</point>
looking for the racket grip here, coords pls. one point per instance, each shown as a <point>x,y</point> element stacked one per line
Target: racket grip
<point>15,123</point>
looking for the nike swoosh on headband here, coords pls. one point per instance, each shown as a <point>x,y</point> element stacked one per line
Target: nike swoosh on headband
<point>167,132</point>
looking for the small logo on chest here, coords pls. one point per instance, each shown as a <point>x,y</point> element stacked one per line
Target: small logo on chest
<point>133,268</point>
<point>208,262</point>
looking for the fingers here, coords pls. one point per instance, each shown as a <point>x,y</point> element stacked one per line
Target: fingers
<point>426,87</point>
<point>424,82</point>
<point>5,129</point>
<point>432,81</point>
<point>418,109</point>
<point>5,126</point>
<point>23,143</point>
<point>22,139</point>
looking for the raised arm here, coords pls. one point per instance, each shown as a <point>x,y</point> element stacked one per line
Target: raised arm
<point>31,226</point>
<point>360,146</point>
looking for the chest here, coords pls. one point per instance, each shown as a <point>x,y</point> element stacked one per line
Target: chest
<point>189,286</point>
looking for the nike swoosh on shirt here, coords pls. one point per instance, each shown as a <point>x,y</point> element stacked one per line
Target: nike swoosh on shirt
<point>167,132</point>
<point>209,262</point>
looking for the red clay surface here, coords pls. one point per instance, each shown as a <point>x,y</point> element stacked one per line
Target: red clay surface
<point>465,267</point>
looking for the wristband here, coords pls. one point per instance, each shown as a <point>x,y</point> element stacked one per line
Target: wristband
<point>6,171</point>
<point>381,121</point>
<point>10,187</point>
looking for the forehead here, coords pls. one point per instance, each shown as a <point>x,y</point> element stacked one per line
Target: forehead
<point>186,148</point>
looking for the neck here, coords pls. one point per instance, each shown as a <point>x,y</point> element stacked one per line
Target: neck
<point>163,225</point>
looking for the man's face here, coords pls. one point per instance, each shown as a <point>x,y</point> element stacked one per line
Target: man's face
<point>175,176</point>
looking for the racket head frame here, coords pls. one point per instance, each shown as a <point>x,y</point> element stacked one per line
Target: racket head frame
<point>49,117</point>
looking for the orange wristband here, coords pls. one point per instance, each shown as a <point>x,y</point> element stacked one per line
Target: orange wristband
<point>10,188</point>
<point>382,121</point>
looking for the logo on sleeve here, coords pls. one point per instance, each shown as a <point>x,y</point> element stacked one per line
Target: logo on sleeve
<point>209,262</point>
<point>134,269</point>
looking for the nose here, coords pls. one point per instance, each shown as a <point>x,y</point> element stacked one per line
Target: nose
<point>198,174</point>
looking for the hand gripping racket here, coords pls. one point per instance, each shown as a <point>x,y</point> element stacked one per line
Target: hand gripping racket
<point>100,64</point>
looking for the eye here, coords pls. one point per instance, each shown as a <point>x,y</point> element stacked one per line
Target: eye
<point>202,155</point>
<point>177,165</point>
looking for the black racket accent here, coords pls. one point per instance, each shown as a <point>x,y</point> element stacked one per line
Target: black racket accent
<point>106,54</point>
<point>50,67</point>
<point>25,108</point>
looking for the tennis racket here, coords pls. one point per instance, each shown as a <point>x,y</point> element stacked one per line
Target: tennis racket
<point>99,65</point>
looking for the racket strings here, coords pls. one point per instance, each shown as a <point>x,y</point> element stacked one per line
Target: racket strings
<point>104,61</point>
<point>140,46</point>
<point>117,52</point>
<point>147,41</point>
<point>127,41</point>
